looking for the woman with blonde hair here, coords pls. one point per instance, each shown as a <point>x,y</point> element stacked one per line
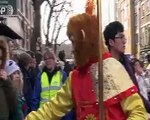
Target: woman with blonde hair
<point>15,76</point>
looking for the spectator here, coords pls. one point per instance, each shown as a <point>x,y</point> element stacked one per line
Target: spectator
<point>8,100</point>
<point>14,73</point>
<point>38,56</point>
<point>148,60</point>
<point>50,74</point>
<point>63,62</point>
<point>116,41</point>
<point>143,79</point>
<point>48,82</point>
<point>33,69</point>
<point>24,64</point>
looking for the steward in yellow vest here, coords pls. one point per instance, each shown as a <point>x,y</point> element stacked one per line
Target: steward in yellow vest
<point>47,85</point>
<point>48,82</point>
<point>48,90</point>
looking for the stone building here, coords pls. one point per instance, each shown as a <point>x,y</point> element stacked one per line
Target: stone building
<point>18,15</point>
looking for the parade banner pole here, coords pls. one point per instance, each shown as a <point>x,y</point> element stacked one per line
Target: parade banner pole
<point>90,5</point>
<point>100,68</point>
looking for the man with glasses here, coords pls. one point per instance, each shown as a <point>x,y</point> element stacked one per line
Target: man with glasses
<point>116,42</point>
<point>115,39</point>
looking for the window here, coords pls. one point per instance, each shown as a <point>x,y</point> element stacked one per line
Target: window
<point>136,19</point>
<point>142,37</point>
<point>148,6</point>
<point>149,34</point>
<point>26,9</point>
<point>146,36</point>
<point>29,11</point>
<point>142,10</point>
<point>125,7</point>
<point>21,5</point>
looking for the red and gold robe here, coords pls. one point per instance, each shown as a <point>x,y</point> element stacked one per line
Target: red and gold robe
<point>121,100</point>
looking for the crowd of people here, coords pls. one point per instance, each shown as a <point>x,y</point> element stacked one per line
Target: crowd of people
<point>42,86</point>
<point>28,80</point>
<point>126,82</point>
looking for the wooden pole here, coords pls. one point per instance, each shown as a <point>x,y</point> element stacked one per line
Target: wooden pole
<point>100,69</point>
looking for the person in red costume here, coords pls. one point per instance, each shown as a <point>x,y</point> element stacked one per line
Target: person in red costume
<point>121,100</point>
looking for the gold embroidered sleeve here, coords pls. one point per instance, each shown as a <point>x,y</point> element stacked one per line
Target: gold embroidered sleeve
<point>57,107</point>
<point>134,107</point>
<point>116,79</point>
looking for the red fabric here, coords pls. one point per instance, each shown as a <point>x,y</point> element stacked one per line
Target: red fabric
<point>85,99</point>
<point>106,55</point>
<point>121,96</point>
<point>115,112</point>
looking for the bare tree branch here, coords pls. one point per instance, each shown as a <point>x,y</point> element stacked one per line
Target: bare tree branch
<point>57,14</point>
<point>62,42</point>
<point>56,19</point>
<point>37,27</point>
<point>44,31</point>
<point>48,23</point>
<point>37,2</point>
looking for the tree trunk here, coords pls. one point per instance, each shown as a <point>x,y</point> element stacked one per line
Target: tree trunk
<point>37,29</point>
<point>55,48</point>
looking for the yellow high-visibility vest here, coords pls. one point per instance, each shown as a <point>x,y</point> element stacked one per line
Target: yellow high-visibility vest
<point>49,90</point>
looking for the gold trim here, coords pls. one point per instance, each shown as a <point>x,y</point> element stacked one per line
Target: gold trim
<point>90,117</point>
<point>116,78</point>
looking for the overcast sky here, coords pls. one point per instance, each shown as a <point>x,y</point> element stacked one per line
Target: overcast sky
<point>79,7</point>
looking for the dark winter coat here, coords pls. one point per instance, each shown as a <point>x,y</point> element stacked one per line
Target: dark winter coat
<point>8,101</point>
<point>129,68</point>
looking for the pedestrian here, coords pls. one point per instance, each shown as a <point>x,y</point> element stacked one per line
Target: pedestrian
<point>148,60</point>
<point>143,78</point>
<point>33,68</point>
<point>24,63</point>
<point>8,101</point>
<point>115,40</point>
<point>50,76</point>
<point>15,76</point>
<point>49,81</point>
<point>64,63</point>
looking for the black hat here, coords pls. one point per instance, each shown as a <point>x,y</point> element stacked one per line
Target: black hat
<point>8,32</point>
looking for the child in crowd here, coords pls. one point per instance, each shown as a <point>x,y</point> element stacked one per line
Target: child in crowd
<point>15,76</point>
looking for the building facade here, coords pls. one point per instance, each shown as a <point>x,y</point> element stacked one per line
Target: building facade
<point>144,27</point>
<point>18,16</point>
<point>109,12</point>
<point>135,15</point>
<point>125,16</point>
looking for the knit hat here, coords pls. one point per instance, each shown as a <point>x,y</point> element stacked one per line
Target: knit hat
<point>11,67</point>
